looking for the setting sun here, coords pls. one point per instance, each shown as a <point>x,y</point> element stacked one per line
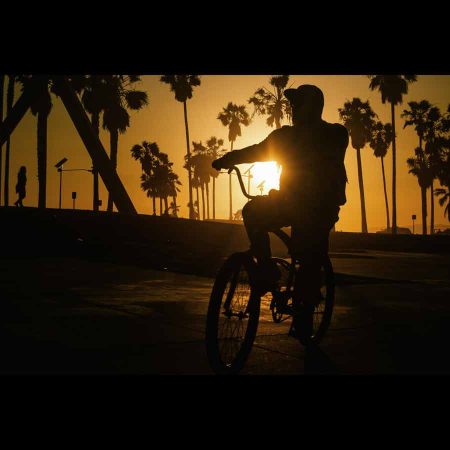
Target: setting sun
<point>267,173</point>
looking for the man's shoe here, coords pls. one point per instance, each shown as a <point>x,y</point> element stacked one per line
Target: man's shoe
<point>302,324</point>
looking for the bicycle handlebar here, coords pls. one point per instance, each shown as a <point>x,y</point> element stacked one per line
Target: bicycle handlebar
<point>241,182</point>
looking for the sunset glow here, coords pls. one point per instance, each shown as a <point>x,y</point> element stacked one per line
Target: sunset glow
<point>267,172</point>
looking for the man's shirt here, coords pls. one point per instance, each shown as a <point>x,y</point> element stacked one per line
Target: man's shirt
<point>312,160</point>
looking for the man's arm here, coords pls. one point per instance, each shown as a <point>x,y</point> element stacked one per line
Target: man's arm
<point>264,151</point>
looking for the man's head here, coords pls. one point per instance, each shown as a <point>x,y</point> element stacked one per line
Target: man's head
<point>307,103</point>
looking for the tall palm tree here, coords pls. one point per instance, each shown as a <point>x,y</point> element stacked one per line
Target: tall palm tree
<point>417,116</point>
<point>380,141</point>
<point>418,166</point>
<point>392,89</point>
<point>358,117</point>
<point>147,154</point>
<point>2,87</point>
<point>435,141</point>
<point>444,193</point>
<point>183,86</point>
<point>272,102</point>
<point>120,97</point>
<point>9,105</point>
<point>214,151</point>
<point>233,116</point>
<point>40,107</point>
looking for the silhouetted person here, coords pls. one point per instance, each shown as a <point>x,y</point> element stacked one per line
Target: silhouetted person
<point>312,188</point>
<point>21,185</point>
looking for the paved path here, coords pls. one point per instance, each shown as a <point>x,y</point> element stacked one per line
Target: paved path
<point>61,315</point>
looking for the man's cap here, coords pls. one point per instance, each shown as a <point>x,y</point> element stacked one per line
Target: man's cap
<point>305,93</point>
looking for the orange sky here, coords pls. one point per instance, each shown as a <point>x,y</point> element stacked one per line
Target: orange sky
<point>162,121</point>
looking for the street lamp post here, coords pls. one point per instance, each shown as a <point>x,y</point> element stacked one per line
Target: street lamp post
<point>59,166</point>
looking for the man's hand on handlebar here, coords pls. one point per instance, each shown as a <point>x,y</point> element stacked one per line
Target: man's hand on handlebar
<point>221,163</point>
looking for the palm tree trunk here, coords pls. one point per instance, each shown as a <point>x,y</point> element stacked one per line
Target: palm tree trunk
<point>42,158</point>
<point>154,204</point>
<point>9,105</point>
<point>191,207</point>
<point>214,199</point>
<point>96,125</point>
<point>203,200</point>
<point>385,195</point>
<point>361,192</point>
<point>230,190</point>
<point>2,84</point>
<point>174,198</point>
<point>432,208</point>
<point>166,206</point>
<point>394,174</point>
<point>198,205</point>
<point>160,206</point>
<point>207,200</point>
<point>424,209</point>
<point>114,141</point>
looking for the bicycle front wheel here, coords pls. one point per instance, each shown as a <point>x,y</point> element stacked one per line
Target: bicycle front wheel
<point>233,315</point>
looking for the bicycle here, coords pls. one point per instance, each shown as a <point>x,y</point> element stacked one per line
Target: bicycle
<point>234,306</point>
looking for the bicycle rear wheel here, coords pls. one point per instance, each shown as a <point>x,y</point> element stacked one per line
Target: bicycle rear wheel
<point>233,314</point>
<point>324,309</point>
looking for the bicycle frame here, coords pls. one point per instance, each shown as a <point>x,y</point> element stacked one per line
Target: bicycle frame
<point>277,232</point>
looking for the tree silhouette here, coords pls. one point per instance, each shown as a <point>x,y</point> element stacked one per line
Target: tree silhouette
<point>147,154</point>
<point>358,118</point>
<point>214,150</point>
<point>233,116</point>
<point>2,88</point>
<point>272,102</point>
<point>418,166</point>
<point>435,141</point>
<point>183,86</point>
<point>380,141</point>
<point>158,178</point>
<point>120,96</point>
<point>9,105</point>
<point>40,107</point>
<point>392,89</point>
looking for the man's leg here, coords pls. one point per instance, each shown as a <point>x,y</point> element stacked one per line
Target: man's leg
<point>261,215</point>
<point>255,214</point>
<point>311,241</point>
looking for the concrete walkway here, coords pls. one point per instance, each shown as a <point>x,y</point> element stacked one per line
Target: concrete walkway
<point>65,315</point>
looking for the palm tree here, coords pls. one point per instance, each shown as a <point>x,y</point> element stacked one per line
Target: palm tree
<point>9,105</point>
<point>417,116</point>
<point>272,102</point>
<point>40,107</point>
<point>435,141</point>
<point>233,116</point>
<point>444,193</point>
<point>2,87</point>
<point>174,208</point>
<point>120,97</point>
<point>418,166</point>
<point>380,141</point>
<point>214,150</point>
<point>183,86</point>
<point>147,154</point>
<point>392,89</point>
<point>358,118</point>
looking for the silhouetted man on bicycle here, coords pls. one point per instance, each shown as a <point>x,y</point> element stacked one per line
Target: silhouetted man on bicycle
<point>312,189</point>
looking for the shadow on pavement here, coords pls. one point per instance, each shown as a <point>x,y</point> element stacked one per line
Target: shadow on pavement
<point>317,362</point>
